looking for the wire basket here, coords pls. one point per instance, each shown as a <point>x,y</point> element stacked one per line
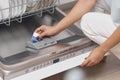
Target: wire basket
<point>16,10</point>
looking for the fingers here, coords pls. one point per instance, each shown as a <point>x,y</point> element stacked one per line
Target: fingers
<point>88,63</point>
<point>91,63</point>
<point>42,35</point>
<point>40,29</point>
<point>85,63</point>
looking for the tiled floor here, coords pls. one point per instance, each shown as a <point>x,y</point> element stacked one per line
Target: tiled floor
<point>109,70</point>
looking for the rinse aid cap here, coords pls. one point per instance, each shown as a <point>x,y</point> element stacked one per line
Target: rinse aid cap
<point>35,38</point>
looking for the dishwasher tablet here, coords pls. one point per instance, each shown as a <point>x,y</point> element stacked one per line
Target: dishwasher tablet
<point>35,37</point>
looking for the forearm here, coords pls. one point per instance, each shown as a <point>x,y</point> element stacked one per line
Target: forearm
<point>81,7</point>
<point>113,40</point>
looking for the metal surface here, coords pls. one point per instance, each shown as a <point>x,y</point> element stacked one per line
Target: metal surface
<point>14,38</point>
<point>47,57</point>
<point>17,61</point>
<point>45,42</point>
<point>16,58</point>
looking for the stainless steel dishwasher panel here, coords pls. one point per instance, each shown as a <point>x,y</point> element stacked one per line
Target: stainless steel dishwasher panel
<point>16,59</point>
<point>14,38</point>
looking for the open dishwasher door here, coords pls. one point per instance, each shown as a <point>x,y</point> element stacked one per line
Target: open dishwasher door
<point>17,62</point>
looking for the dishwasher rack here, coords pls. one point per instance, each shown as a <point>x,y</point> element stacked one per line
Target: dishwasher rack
<point>32,7</point>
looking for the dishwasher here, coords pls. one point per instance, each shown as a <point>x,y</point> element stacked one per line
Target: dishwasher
<point>19,62</point>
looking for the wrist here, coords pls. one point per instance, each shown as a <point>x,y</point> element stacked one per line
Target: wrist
<point>104,49</point>
<point>57,28</point>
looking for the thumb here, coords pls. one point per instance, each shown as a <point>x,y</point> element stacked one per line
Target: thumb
<point>42,35</point>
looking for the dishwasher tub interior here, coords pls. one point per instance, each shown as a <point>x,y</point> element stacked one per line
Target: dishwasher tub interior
<point>15,58</point>
<point>14,38</point>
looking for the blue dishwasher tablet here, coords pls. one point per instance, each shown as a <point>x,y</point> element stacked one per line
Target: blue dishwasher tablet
<point>35,38</point>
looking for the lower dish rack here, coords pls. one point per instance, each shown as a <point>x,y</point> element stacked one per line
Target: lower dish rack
<point>16,10</point>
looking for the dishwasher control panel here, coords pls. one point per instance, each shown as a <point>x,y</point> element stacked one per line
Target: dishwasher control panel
<point>60,59</point>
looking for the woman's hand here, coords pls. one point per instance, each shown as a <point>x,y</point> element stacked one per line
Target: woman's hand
<point>46,31</point>
<point>94,58</point>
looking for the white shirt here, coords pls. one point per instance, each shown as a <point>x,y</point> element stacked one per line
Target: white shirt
<point>115,10</point>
